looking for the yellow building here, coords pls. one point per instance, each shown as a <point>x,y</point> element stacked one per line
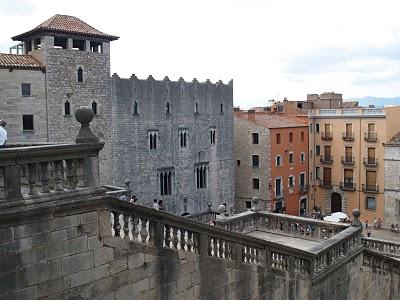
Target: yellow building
<point>346,158</point>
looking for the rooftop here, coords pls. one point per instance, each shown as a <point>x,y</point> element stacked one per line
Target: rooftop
<point>19,61</point>
<point>66,24</point>
<point>275,121</point>
<point>395,140</point>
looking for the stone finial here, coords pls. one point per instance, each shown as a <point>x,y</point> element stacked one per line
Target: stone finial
<point>255,206</point>
<point>181,79</point>
<point>208,81</point>
<point>115,75</point>
<point>356,218</point>
<point>195,80</point>
<point>150,77</point>
<point>85,115</point>
<point>166,78</point>
<point>133,77</point>
<point>230,82</point>
<point>220,82</point>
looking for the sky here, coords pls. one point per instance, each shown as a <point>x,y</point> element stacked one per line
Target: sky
<point>270,48</point>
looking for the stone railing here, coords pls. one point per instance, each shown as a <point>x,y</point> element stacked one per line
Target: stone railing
<point>139,224</point>
<point>204,216</point>
<point>381,263</point>
<point>382,246</point>
<point>305,228</point>
<point>29,172</point>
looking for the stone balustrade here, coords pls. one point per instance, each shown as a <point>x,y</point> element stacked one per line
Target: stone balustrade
<point>383,246</point>
<point>139,224</point>
<point>305,228</point>
<point>30,172</point>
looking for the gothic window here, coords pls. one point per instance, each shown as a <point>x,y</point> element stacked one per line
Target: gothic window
<point>135,107</point>
<point>201,176</point>
<point>167,108</point>
<point>165,178</point>
<point>94,107</point>
<point>183,135</point>
<point>67,108</point>
<point>79,75</point>
<point>212,136</point>
<point>152,137</point>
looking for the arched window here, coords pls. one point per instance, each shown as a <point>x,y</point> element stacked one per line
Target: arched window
<point>94,107</point>
<point>201,177</point>
<point>67,108</point>
<point>135,107</point>
<point>80,74</point>
<point>167,108</point>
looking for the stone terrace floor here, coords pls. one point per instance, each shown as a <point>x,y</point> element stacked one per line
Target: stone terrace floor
<point>383,234</point>
<point>284,240</point>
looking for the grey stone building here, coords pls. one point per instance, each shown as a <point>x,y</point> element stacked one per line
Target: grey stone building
<point>392,181</point>
<point>172,140</point>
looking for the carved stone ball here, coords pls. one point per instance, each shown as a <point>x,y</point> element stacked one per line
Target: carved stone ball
<point>255,200</point>
<point>221,208</point>
<point>84,115</point>
<point>356,213</point>
<point>127,182</point>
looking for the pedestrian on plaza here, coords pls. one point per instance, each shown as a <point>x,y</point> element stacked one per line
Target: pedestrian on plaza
<point>160,205</point>
<point>375,222</point>
<point>155,205</point>
<point>3,134</point>
<point>366,224</point>
<point>369,231</point>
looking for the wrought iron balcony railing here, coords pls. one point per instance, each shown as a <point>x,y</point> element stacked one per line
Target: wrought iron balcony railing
<point>326,136</point>
<point>370,162</point>
<point>349,186</point>
<point>370,136</point>
<point>326,159</point>
<point>348,160</point>
<point>370,188</point>
<point>348,136</point>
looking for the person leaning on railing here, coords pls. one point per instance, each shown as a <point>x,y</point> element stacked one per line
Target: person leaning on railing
<point>3,134</point>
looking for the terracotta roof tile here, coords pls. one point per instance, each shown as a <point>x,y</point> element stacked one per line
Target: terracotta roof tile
<point>277,121</point>
<point>19,61</point>
<point>66,24</point>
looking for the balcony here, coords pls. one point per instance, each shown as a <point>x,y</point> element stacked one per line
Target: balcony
<point>304,188</point>
<point>370,162</point>
<point>348,186</point>
<point>326,136</point>
<point>370,136</point>
<point>348,136</point>
<point>347,160</point>
<point>325,184</point>
<point>370,188</point>
<point>279,195</point>
<point>326,159</point>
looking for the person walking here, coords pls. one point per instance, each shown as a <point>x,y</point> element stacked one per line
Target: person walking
<point>366,224</point>
<point>155,205</point>
<point>3,133</point>
<point>369,231</point>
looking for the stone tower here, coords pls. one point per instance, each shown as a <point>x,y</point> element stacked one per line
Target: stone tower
<point>76,58</point>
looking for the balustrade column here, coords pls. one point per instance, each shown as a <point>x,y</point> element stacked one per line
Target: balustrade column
<point>58,177</point>
<point>32,180</point>
<point>80,172</point>
<point>70,174</point>
<point>44,176</point>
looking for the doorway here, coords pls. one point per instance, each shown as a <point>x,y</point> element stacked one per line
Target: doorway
<point>336,203</point>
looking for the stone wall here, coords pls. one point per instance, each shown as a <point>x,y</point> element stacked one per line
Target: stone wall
<point>392,184</point>
<point>13,105</point>
<point>134,160</point>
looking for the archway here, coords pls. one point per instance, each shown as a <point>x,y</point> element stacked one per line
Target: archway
<point>336,202</point>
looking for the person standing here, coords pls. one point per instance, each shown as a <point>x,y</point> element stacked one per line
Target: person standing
<point>3,134</point>
<point>155,205</point>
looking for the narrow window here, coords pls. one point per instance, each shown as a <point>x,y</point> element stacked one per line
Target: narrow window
<point>302,157</point>
<point>256,184</point>
<point>278,186</point>
<point>238,162</point>
<point>167,108</point>
<point>135,107</point>
<point>291,181</point>
<point>255,138</point>
<point>27,122</point>
<point>255,160</point>
<point>212,136</point>
<point>67,108</point>
<point>183,137</point>
<point>196,108</point>
<point>310,128</point>
<point>278,138</point>
<point>80,74</point>
<point>370,203</point>
<point>316,172</point>
<point>278,160</point>
<point>165,182</point>
<point>201,176</point>
<point>26,89</point>
<point>248,204</point>
<point>290,137</point>
<point>221,110</point>
<point>96,47</point>
<point>317,150</point>
<point>152,136</point>
<point>94,107</point>
<point>291,158</point>
<point>317,127</point>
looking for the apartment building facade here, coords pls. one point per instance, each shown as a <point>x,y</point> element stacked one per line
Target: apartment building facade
<point>271,153</point>
<point>346,158</point>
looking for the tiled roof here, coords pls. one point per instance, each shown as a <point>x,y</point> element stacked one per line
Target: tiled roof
<point>395,140</point>
<point>66,24</point>
<point>19,61</point>
<point>277,121</point>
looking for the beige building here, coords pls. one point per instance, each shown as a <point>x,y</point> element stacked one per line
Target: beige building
<point>346,158</point>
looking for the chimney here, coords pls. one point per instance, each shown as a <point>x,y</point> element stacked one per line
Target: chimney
<point>251,115</point>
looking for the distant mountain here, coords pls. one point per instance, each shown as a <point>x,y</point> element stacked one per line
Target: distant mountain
<point>377,101</point>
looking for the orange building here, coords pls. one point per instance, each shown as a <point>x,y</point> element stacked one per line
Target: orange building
<point>271,152</point>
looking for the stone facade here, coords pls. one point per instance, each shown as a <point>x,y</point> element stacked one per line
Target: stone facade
<point>13,105</point>
<point>170,109</point>
<point>392,184</point>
